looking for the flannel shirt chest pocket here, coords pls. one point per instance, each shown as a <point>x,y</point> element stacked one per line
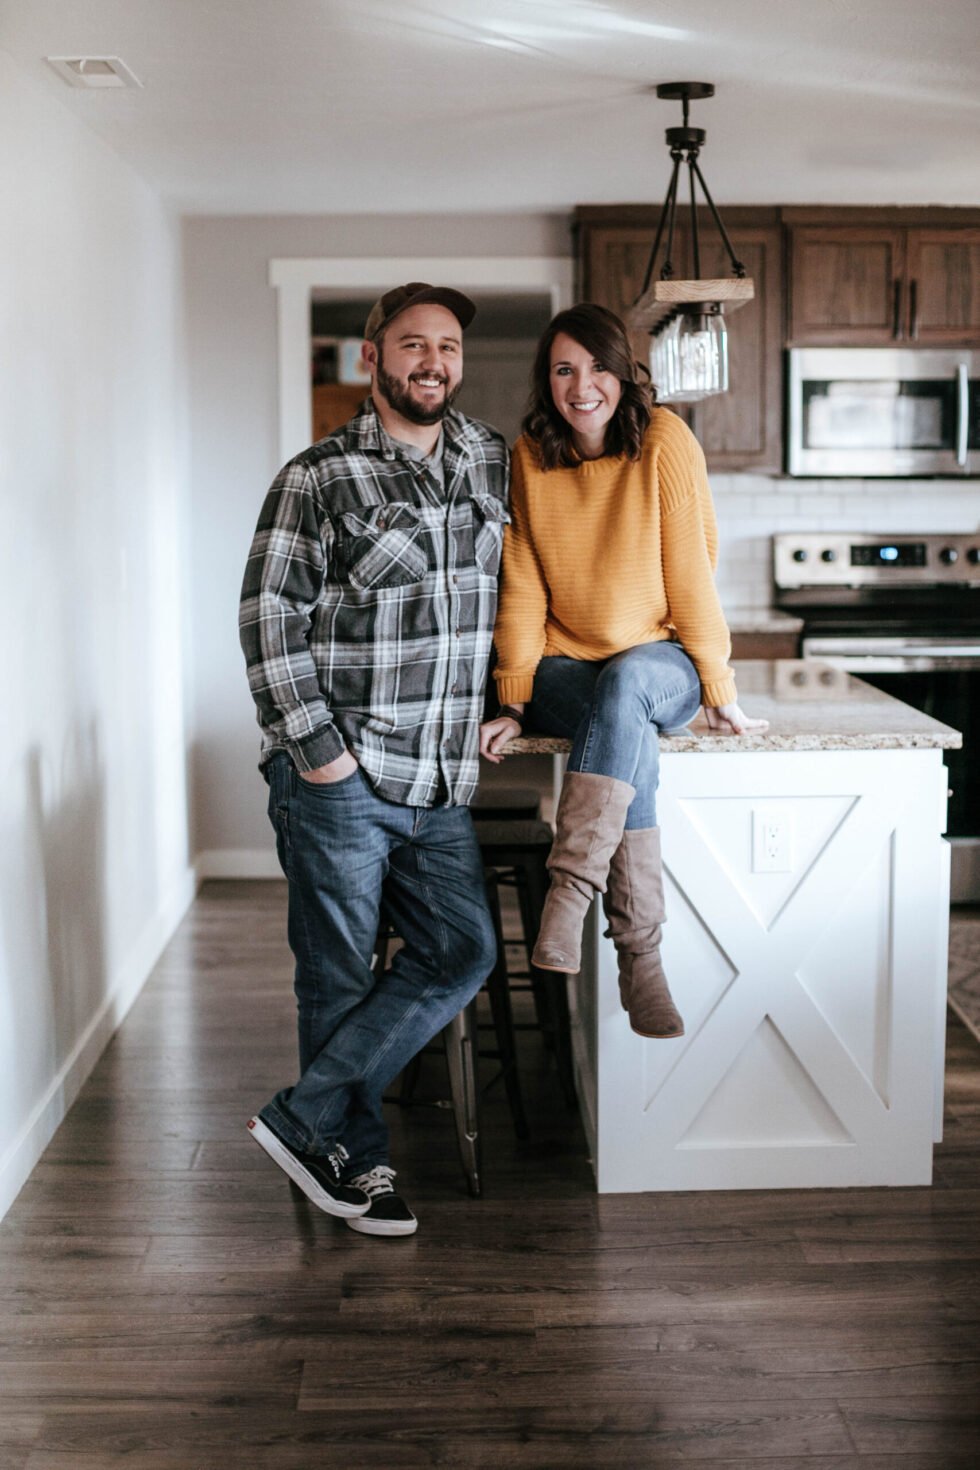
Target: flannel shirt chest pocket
<point>382,546</point>
<point>489,517</point>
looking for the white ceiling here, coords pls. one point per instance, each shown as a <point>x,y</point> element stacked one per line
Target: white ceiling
<point>442,106</point>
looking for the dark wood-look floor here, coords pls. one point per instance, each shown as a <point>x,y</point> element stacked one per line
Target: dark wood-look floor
<point>167,1303</point>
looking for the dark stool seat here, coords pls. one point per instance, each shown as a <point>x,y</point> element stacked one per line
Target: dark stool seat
<point>505,803</point>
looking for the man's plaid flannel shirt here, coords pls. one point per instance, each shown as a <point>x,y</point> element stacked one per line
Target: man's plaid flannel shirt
<point>368,605</point>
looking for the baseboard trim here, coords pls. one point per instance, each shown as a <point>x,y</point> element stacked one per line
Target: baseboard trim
<point>237,862</point>
<point>125,985</point>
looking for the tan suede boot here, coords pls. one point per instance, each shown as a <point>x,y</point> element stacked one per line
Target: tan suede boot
<point>634,906</point>
<point>588,829</point>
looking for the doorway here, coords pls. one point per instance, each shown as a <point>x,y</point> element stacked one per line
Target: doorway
<point>517,294</point>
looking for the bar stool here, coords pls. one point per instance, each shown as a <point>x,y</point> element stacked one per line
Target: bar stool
<point>515,844</point>
<point>517,853</point>
<point>461,1045</point>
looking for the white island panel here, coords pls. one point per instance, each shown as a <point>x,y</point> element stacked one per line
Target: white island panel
<point>813,997</point>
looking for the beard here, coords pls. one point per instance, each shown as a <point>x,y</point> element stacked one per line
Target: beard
<point>398,395</point>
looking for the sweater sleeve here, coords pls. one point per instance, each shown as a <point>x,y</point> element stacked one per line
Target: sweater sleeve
<point>519,633</point>
<point>689,539</point>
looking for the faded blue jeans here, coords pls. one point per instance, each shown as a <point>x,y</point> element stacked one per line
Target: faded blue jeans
<point>347,854</point>
<point>613,710</point>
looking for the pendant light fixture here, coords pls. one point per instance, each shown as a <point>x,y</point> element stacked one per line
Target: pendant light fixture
<point>686,318</point>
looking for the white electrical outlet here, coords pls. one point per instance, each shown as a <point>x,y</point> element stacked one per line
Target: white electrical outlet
<point>772,840</point>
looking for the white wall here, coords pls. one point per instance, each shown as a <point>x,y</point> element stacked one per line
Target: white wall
<point>232,343</point>
<point>93,856</point>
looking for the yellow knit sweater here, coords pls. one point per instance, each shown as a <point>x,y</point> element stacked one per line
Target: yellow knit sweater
<point>611,554</point>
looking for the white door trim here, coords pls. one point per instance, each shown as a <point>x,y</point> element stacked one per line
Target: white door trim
<point>295,281</point>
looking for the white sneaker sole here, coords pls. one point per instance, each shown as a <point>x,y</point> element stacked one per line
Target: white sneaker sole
<point>301,1177</point>
<point>363,1226</point>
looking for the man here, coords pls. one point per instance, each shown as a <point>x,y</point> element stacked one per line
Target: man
<point>366,618</point>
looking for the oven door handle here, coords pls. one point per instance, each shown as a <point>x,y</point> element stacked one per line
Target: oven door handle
<point>962,412</point>
<point>891,656</point>
<point>921,663</point>
<point>895,660</point>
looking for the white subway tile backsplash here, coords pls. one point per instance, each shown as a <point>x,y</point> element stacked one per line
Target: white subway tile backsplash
<point>773,505</point>
<point>823,508</point>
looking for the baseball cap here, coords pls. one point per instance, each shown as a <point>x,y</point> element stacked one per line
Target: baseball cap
<point>417,293</point>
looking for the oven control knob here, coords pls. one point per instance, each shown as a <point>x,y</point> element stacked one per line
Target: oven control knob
<point>973,556</point>
<point>948,555</point>
<point>828,555</point>
<point>799,554</point>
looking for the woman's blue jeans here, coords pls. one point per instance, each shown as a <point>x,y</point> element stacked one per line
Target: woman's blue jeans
<point>349,856</point>
<point>613,710</point>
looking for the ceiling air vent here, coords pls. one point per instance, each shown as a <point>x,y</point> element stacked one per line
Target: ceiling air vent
<point>93,71</point>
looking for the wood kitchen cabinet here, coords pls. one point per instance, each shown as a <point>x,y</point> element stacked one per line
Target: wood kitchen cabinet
<point>334,404</point>
<point>739,430</point>
<point>880,281</point>
<point>943,270</point>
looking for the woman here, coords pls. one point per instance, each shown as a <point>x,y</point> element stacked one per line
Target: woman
<point>608,631</point>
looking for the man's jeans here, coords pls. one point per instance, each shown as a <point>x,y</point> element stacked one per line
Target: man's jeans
<point>613,709</point>
<point>339,846</point>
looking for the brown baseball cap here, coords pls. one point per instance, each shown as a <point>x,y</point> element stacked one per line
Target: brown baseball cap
<point>417,293</point>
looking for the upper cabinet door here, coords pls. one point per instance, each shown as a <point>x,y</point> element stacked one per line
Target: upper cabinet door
<point>739,429</point>
<point>612,264</point>
<point>847,286</point>
<point>943,269</point>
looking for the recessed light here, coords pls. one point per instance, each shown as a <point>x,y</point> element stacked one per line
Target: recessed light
<point>93,71</point>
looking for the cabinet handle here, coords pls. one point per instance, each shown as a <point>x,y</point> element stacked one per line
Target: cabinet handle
<point>914,310</point>
<point>897,310</point>
<point>962,412</point>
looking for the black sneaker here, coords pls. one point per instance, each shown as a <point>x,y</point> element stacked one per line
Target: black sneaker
<point>389,1214</point>
<point>318,1175</point>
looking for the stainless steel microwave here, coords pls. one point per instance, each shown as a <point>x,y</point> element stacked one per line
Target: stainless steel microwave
<point>883,411</point>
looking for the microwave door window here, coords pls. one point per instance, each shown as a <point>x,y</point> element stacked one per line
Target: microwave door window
<point>878,415</point>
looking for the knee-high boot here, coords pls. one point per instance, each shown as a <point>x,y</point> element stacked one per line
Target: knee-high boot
<point>588,829</point>
<point>634,906</point>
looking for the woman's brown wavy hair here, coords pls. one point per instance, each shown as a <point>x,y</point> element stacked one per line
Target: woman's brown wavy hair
<point>602,333</point>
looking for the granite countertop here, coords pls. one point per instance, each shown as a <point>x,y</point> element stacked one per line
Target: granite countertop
<point>761,620</point>
<point>809,706</point>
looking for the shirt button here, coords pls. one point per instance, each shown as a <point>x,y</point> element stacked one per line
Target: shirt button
<point>455,581</point>
<point>459,633</point>
<point>454,689</point>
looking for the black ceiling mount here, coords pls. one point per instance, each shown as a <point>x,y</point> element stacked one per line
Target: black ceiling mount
<point>688,141</point>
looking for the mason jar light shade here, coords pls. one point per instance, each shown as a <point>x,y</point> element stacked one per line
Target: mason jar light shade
<point>689,357</point>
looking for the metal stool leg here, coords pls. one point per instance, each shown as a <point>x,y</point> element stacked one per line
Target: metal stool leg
<point>461,1056</point>
<point>498,993</point>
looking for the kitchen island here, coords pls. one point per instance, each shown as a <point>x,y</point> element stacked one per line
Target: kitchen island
<point>808,905</point>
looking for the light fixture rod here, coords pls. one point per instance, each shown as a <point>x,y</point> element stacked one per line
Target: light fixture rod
<point>695,243</point>
<point>666,216</point>
<point>737,265</point>
<point>685,144</point>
